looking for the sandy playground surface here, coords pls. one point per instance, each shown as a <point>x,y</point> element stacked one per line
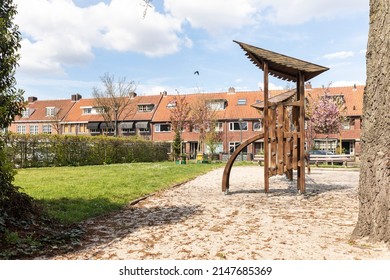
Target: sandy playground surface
<point>197,221</point>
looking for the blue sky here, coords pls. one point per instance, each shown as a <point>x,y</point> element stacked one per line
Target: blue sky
<point>68,45</point>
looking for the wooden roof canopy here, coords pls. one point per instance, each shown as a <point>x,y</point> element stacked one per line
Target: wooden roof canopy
<point>281,66</point>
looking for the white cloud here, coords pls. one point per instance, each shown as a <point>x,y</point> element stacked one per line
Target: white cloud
<point>287,12</point>
<point>59,33</point>
<point>346,83</point>
<point>271,86</point>
<point>213,16</point>
<point>339,55</point>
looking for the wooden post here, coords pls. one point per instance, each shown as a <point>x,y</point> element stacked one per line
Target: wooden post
<point>301,127</point>
<point>266,129</point>
<point>280,140</point>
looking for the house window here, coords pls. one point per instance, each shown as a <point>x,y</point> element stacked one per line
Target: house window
<point>25,113</point>
<point>235,126</point>
<point>145,108</point>
<point>171,104</point>
<point>162,128</point>
<point>241,102</point>
<point>346,125</point>
<point>21,129</point>
<point>234,145</point>
<point>50,111</point>
<point>216,105</point>
<point>46,128</point>
<point>144,130</point>
<point>219,126</point>
<point>33,129</point>
<point>87,111</point>
<point>257,126</point>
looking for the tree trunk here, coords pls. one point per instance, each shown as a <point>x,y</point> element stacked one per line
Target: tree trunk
<point>374,184</point>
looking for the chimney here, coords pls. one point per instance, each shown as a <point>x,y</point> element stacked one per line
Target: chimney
<point>32,99</point>
<point>231,90</point>
<point>164,93</point>
<point>354,87</point>
<point>308,85</point>
<point>75,97</point>
<point>132,94</point>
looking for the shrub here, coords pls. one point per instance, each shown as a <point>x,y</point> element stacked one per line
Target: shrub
<point>65,150</point>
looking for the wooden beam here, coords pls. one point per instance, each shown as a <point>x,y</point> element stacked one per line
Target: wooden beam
<point>266,129</point>
<point>301,149</point>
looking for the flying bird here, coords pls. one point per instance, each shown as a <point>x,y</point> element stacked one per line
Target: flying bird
<point>196,73</point>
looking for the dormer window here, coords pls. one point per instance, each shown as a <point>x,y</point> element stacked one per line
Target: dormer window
<point>50,111</point>
<point>87,111</point>
<point>25,113</point>
<point>172,104</point>
<point>217,105</point>
<point>145,107</point>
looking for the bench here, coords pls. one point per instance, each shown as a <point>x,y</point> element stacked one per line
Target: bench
<point>259,159</point>
<point>344,159</point>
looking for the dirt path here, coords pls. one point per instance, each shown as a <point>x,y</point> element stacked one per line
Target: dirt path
<point>197,221</point>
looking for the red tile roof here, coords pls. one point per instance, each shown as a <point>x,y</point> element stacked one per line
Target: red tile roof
<point>38,109</point>
<point>232,111</point>
<point>353,97</point>
<point>130,113</point>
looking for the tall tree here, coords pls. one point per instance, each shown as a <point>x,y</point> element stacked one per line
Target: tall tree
<point>202,117</point>
<point>14,206</point>
<point>374,184</point>
<point>179,118</point>
<point>114,99</point>
<point>11,99</point>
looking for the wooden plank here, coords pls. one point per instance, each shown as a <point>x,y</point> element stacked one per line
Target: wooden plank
<point>287,141</point>
<point>280,140</point>
<point>266,129</point>
<point>293,103</point>
<point>295,151</point>
<point>272,136</point>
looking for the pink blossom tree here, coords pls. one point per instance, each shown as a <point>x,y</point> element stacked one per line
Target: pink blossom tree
<point>325,116</point>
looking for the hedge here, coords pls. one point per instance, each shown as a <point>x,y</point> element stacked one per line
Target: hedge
<point>42,150</point>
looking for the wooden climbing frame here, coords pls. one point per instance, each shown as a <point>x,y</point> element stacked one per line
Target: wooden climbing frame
<point>283,117</point>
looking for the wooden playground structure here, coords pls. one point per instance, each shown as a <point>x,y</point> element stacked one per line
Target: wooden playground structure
<point>283,117</point>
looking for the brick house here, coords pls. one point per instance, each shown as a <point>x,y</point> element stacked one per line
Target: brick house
<point>42,116</point>
<point>351,99</point>
<point>85,118</point>
<point>149,117</point>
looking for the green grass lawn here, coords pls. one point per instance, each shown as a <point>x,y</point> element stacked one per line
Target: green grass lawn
<point>73,194</point>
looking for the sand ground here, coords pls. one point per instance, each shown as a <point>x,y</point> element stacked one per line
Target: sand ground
<point>197,221</point>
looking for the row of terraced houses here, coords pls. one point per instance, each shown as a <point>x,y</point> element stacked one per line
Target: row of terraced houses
<point>149,118</point>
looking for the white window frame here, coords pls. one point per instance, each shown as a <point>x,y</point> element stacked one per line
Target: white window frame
<point>25,113</point>
<point>34,129</point>
<point>21,129</point>
<point>157,127</point>
<point>50,111</point>
<point>145,108</point>
<point>219,126</point>
<point>244,126</point>
<point>46,128</point>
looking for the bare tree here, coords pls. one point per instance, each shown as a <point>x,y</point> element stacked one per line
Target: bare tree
<point>374,184</point>
<point>114,99</point>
